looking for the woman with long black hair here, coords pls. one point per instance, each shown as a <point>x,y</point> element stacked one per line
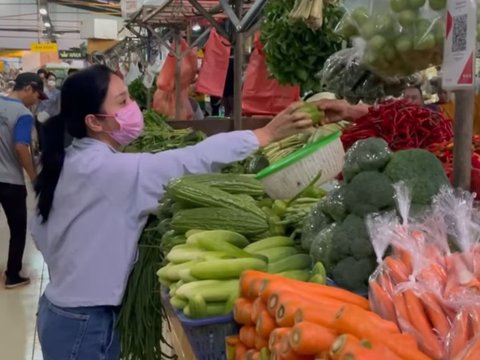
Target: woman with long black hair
<point>93,202</point>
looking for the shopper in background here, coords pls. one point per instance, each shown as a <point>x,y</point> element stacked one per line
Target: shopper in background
<point>47,108</point>
<point>93,202</point>
<point>414,95</point>
<point>42,73</point>
<point>15,157</point>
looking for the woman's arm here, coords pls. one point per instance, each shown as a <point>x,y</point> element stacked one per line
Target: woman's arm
<point>156,170</point>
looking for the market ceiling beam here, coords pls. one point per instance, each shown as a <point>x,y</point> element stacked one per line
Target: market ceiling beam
<point>243,23</point>
<point>210,18</point>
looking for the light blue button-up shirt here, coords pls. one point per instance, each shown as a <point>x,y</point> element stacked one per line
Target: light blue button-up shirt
<point>101,204</point>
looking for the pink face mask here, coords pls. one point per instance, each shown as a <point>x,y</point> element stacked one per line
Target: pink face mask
<point>130,120</point>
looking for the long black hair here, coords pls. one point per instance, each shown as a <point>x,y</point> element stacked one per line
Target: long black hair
<point>82,94</point>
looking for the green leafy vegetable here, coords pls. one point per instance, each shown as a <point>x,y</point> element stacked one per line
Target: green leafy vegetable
<point>293,51</point>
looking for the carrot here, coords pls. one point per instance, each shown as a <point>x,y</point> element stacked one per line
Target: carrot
<point>386,283</point>
<point>252,355</point>
<point>309,339</point>
<point>287,353</point>
<point>247,336</point>
<point>436,315</point>
<point>285,315</point>
<point>281,284</point>
<point>248,277</point>
<point>397,270</point>
<point>240,351</point>
<point>344,344</point>
<point>365,354</point>
<point>381,302</point>
<point>471,352</point>
<point>277,335</point>
<point>352,321</point>
<point>257,307</point>
<point>403,319</point>
<point>427,340</point>
<point>406,258</point>
<point>459,335</point>
<point>232,340</point>
<point>475,317</point>
<point>265,324</point>
<point>260,342</point>
<point>231,343</point>
<point>242,311</point>
<point>324,315</point>
<point>374,321</point>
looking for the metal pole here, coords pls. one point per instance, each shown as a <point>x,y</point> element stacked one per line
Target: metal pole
<point>238,71</point>
<point>178,75</point>
<point>462,150</point>
<point>149,92</point>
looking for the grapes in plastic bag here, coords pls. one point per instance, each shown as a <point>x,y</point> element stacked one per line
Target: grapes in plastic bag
<point>371,154</point>
<point>314,224</point>
<point>395,37</point>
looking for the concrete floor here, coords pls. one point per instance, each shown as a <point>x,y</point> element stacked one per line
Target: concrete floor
<point>18,307</point>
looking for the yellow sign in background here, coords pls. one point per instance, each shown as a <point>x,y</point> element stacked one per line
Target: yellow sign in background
<point>44,47</point>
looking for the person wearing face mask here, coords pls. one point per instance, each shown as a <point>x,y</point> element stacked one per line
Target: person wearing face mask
<point>15,158</point>
<point>94,200</point>
<point>49,107</point>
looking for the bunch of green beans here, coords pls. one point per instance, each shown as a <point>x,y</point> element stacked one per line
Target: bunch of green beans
<point>142,315</point>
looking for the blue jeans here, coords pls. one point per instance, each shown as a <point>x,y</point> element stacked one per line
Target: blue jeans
<point>82,333</point>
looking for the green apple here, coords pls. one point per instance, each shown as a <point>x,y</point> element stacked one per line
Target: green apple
<point>346,28</point>
<point>389,53</point>
<point>404,43</point>
<point>399,5</point>
<point>407,18</point>
<point>383,23</point>
<point>439,31</point>
<point>425,42</point>
<point>437,5</point>
<point>422,27</point>
<point>360,16</point>
<point>416,4</point>
<point>377,42</point>
<point>368,30</point>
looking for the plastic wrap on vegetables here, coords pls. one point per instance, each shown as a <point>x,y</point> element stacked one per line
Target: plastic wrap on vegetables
<point>395,37</point>
<point>322,246</point>
<point>334,204</point>
<point>432,291</point>
<point>345,75</point>
<point>371,154</point>
<point>313,225</point>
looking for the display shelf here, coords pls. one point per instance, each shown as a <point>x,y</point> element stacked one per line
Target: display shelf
<point>212,126</point>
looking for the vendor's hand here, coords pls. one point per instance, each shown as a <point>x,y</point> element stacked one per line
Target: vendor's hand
<point>285,124</point>
<point>338,110</point>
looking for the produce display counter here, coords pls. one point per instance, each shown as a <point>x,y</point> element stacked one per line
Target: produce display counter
<point>211,126</point>
<point>178,338</point>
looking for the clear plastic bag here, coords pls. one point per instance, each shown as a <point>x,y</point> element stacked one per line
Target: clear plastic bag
<point>344,75</point>
<point>395,37</point>
<point>430,291</point>
<point>314,224</point>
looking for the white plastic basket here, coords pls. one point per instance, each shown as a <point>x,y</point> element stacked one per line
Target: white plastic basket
<point>288,177</point>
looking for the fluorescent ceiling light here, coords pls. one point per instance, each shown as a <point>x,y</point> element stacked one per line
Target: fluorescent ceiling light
<point>47,24</point>
<point>43,11</point>
<point>196,27</point>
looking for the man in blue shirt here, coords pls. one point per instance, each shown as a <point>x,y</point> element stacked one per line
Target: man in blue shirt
<point>16,123</point>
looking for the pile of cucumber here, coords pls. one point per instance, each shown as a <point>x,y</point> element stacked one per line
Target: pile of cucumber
<point>202,275</point>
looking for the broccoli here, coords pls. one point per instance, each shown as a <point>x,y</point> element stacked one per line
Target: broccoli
<point>322,246</point>
<point>420,170</point>
<point>333,204</point>
<point>366,155</point>
<point>315,223</point>
<point>369,192</point>
<point>351,239</point>
<point>353,274</point>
